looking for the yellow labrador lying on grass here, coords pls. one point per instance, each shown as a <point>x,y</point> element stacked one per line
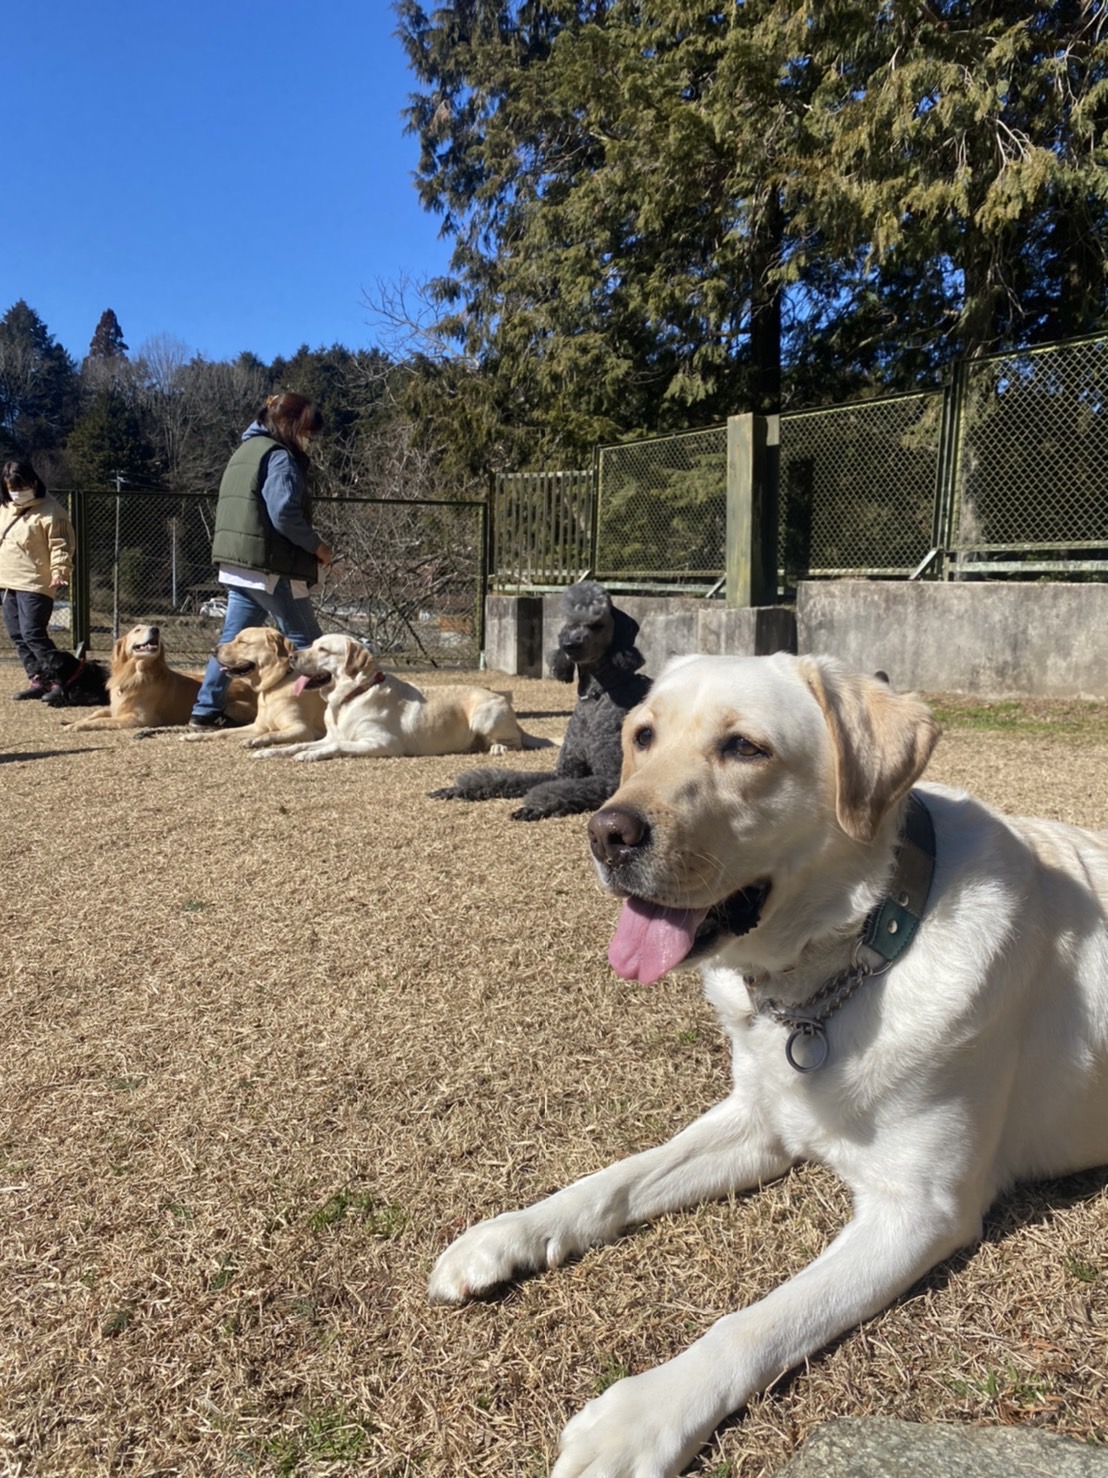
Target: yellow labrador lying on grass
<point>932,1032</point>
<point>289,712</point>
<point>370,713</point>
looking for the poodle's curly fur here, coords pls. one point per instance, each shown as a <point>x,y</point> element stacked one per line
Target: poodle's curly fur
<point>596,645</point>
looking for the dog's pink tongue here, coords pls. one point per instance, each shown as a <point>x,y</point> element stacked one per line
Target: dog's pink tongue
<point>650,940</point>
<point>299,685</point>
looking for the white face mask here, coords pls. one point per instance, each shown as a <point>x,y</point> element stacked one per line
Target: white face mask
<point>22,496</point>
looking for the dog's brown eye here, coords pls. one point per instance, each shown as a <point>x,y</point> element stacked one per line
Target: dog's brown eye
<point>739,747</point>
<point>644,737</point>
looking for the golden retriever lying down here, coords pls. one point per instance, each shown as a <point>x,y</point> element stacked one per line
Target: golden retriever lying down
<point>915,989</point>
<point>145,692</point>
<point>369,713</point>
<point>288,711</point>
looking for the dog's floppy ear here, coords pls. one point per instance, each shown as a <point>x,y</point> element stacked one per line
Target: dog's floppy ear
<point>357,659</point>
<point>623,653</point>
<point>881,741</point>
<point>562,665</point>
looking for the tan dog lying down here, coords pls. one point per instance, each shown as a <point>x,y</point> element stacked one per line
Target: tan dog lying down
<point>369,713</point>
<point>145,692</point>
<point>915,989</point>
<point>288,711</point>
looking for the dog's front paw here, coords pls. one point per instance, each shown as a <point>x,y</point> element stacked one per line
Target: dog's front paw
<point>638,1428</point>
<point>447,793</point>
<point>489,1254</point>
<point>529,813</point>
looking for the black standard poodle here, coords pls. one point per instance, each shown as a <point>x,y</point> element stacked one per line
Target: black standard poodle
<point>71,681</point>
<point>597,645</point>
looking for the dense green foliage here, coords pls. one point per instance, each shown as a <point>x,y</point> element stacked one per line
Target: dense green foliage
<point>663,212</point>
<point>38,384</point>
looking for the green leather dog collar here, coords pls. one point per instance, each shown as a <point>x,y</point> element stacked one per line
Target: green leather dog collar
<point>889,930</point>
<point>892,926</point>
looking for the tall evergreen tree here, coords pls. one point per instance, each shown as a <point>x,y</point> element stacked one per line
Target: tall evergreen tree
<point>38,384</point>
<point>110,441</point>
<point>654,204</point>
<point>962,146</point>
<point>611,241</point>
<point>107,341</point>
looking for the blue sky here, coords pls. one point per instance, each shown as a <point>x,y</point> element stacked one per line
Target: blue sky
<point>233,175</point>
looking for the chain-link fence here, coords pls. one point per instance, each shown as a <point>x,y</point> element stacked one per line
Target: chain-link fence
<point>1028,472</point>
<point>409,582</point>
<point>856,487</point>
<point>1001,474</point>
<point>662,511</point>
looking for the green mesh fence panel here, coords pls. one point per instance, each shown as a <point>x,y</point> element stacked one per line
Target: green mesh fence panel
<point>1031,467</point>
<point>857,487</point>
<point>662,510</point>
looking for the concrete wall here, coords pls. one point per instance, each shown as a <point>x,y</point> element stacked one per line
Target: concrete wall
<point>992,640</point>
<point>520,632</point>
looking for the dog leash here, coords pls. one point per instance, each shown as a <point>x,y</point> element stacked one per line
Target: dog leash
<point>889,930</point>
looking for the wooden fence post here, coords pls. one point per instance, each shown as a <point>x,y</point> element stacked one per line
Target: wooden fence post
<point>752,510</point>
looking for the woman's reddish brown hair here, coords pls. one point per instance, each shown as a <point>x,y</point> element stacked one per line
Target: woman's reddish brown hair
<point>291,419</point>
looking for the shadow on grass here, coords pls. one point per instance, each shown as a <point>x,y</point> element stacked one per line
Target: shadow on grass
<point>18,756</point>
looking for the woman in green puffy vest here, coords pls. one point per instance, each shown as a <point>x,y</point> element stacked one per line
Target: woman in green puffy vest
<point>264,544</point>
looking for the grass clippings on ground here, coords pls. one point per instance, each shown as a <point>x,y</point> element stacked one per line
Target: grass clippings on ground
<point>275,1033</point>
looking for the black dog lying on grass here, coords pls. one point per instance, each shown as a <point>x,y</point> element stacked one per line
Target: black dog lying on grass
<point>597,645</point>
<point>73,682</point>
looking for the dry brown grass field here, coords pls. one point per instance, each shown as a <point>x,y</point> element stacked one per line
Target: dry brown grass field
<point>274,1033</point>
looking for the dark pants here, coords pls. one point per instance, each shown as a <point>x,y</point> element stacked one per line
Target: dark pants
<point>25,618</point>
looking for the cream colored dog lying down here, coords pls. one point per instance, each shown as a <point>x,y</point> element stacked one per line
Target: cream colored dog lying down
<point>371,713</point>
<point>288,712</point>
<point>933,1032</point>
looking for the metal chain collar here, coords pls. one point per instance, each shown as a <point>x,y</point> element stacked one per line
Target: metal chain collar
<point>806,1047</point>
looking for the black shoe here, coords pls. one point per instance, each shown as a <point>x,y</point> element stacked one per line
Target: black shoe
<point>37,689</point>
<point>214,721</point>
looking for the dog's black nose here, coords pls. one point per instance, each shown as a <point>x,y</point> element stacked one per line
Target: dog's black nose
<point>615,832</point>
